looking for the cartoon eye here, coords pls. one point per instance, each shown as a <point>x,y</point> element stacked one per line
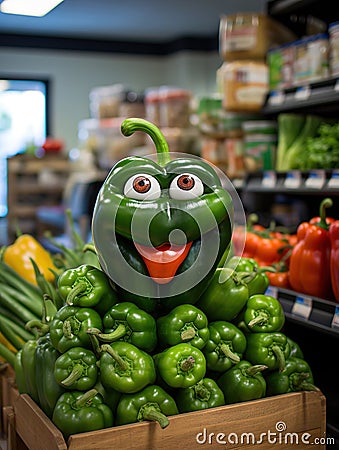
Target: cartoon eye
<point>186,186</point>
<point>142,187</point>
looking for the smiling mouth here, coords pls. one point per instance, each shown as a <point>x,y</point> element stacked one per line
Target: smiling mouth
<point>162,262</point>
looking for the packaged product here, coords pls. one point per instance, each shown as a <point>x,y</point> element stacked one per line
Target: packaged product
<point>174,107</point>
<point>280,61</point>
<point>333,30</point>
<point>250,36</point>
<point>244,85</point>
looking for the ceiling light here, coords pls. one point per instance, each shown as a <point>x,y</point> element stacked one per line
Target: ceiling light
<point>36,8</point>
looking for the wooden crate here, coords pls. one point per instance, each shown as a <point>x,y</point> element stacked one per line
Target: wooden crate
<point>297,413</point>
<point>8,394</point>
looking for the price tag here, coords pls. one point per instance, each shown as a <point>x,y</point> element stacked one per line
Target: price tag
<point>335,320</point>
<point>273,291</point>
<point>293,179</point>
<point>316,179</point>
<point>302,93</point>
<point>276,98</point>
<point>302,307</point>
<point>333,182</point>
<point>269,179</point>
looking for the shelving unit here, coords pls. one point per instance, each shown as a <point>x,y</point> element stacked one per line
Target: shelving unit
<point>31,183</point>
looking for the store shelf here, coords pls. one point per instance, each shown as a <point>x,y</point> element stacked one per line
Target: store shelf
<point>294,182</point>
<point>324,95</point>
<point>308,311</point>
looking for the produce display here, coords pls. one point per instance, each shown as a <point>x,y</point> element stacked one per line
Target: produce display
<point>99,346</point>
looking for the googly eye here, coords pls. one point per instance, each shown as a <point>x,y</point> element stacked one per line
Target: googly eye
<point>142,187</point>
<point>186,186</point>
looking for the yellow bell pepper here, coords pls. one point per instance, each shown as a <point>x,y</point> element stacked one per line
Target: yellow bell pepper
<point>18,256</point>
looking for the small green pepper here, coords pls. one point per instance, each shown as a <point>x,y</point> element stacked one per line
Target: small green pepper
<point>181,365</point>
<point>86,286</point>
<point>78,412</point>
<point>125,367</point>
<point>69,327</point>
<point>243,382</point>
<point>256,284</point>
<point>76,369</point>
<point>185,323</point>
<point>264,313</point>
<point>20,378</point>
<point>270,349</point>
<point>225,296</point>
<point>47,387</point>
<point>152,403</point>
<point>125,321</point>
<point>225,347</point>
<point>296,376</point>
<point>203,395</point>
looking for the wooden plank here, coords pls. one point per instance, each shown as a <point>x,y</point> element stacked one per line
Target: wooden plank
<point>276,421</point>
<point>35,428</point>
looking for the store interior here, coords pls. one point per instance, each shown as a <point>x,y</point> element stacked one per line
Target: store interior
<point>64,93</point>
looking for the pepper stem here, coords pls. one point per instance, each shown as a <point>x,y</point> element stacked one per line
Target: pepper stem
<point>279,354</point>
<point>107,348</point>
<point>188,334</point>
<point>260,319</point>
<point>74,376</point>
<point>41,327</point>
<point>187,364</point>
<point>253,370</point>
<point>78,289</point>
<point>151,413</point>
<point>130,125</point>
<point>118,333</point>
<point>201,391</point>
<point>229,354</point>
<point>326,203</point>
<point>86,397</point>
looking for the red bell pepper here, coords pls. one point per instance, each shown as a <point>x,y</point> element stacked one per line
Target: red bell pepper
<point>310,258</point>
<point>334,258</point>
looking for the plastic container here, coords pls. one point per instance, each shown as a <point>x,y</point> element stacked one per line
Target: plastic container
<point>174,107</point>
<point>244,85</point>
<point>333,30</point>
<point>280,61</point>
<point>249,36</point>
<point>318,54</point>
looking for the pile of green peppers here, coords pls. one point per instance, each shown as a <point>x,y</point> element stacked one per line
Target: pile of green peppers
<point>99,361</point>
<point>105,356</point>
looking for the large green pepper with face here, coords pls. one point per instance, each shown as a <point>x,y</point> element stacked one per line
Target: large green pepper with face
<point>161,226</point>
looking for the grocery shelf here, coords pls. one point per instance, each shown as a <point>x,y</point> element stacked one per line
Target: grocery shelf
<point>294,182</point>
<point>308,311</point>
<point>322,94</point>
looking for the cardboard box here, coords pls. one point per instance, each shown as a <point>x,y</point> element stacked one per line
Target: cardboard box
<point>285,421</point>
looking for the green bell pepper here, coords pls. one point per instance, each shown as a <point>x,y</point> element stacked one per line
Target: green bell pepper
<point>269,349</point>
<point>243,382</point>
<point>126,321</point>
<point>86,286</point>
<point>296,376</point>
<point>69,327</point>
<point>185,323</point>
<point>76,369</point>
<point>161,227</point>
<point>180,365</point>
<point>78,412</point>
<point>225,296</point>
<point>111,396</point>
<point>29,368</point>
<point>225,347</point>
<point>47,387</point>
<point>125,367</point>
<point>264,313</point>
<point>203,395</point>
<point>152,403</point>
<point>256,284</point>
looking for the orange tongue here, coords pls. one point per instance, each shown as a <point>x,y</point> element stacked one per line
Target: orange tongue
<point>162,262</point>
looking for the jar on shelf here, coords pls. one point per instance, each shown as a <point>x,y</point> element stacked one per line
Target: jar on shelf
<point>174,107</point>
<point>333,30</point>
